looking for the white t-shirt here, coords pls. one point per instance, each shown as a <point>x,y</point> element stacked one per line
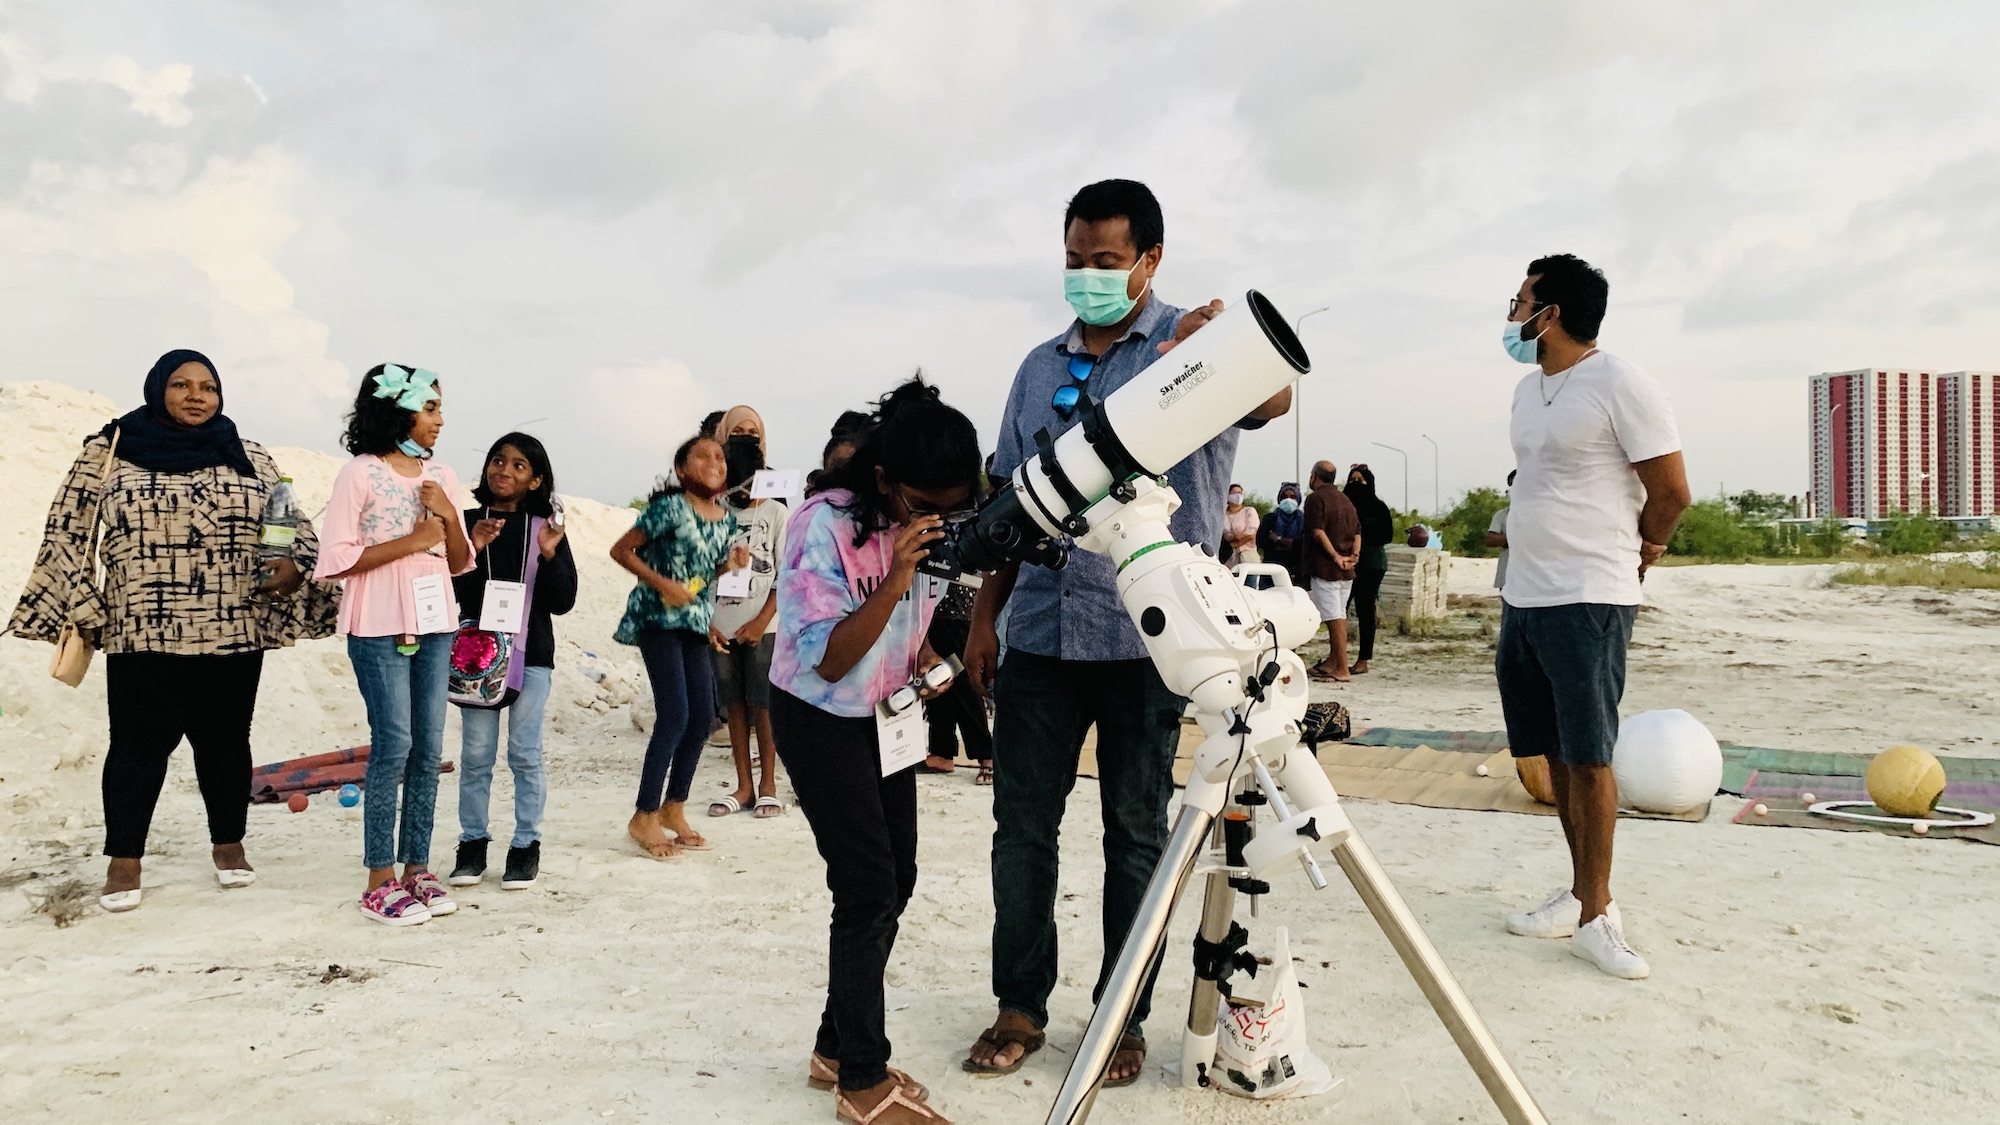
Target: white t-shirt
<point>1499,527</point>
<point>1573,527</point>
<point>761,528</point>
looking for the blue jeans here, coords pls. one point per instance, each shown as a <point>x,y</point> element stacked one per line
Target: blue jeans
<point>1042,708</point>
<point>481,727</point>
<point>405,700</point>
<point>679,664</point>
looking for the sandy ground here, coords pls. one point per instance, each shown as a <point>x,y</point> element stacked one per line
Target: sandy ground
<point>1798,976</point>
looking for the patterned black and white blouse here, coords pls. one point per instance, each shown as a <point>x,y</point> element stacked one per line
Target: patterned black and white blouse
<point>180,562</point>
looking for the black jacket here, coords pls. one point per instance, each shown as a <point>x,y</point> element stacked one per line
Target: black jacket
<point>555,582</point>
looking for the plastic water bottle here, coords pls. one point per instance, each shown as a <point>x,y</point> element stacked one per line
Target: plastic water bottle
<point>281,522</point>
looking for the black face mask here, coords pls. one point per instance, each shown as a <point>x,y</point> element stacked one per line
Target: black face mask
<point>744,455</point>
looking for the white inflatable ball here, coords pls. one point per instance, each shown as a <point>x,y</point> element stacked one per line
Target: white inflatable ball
<point>1665,762</point>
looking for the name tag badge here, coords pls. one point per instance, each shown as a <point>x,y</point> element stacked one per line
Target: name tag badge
<point>505,603</point>
<point>735,584</point>
<point>904,738</point>
<point>433,609</point>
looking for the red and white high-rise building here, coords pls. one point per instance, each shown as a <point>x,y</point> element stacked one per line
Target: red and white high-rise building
<point>1874,443</point>
<point>1886,442</point>
<point>1969,445</point>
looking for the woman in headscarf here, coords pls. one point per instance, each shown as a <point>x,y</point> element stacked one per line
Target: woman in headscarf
<point>1378,527</point>
<point>1278,534</point>
<point>744,631</point>
<point>169,502</point>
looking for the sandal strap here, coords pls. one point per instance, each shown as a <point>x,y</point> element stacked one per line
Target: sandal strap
<point>895,1097</point>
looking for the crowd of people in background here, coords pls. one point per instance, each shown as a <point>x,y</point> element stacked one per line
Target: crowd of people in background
<point>798,631</point>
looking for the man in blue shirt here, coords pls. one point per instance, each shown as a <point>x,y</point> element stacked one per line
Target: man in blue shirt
<point>1074,658</point>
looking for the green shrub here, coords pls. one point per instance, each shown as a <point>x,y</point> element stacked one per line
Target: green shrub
<point>1909,535</point>
<point>1713,529</point>
<point>1464,527</point>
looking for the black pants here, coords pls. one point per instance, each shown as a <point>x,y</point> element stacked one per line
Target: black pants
<point>156,699</point>
<point>959,712</point>
<point>866,828</point>
<point>1367,588</point>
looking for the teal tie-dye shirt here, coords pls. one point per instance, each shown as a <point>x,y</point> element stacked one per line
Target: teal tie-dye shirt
<point>687,547</point>
<point>826,577</point>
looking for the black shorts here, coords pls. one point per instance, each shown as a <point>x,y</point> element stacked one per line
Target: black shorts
<point>743,673</point>
<point>1561,670</point>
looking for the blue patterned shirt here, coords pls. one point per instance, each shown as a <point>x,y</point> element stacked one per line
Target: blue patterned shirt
<point>1074,613</point>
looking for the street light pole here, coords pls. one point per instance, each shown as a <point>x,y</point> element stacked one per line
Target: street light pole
<point>1406,471</point>
<point>1436,505</point>
<point>1298,405</point>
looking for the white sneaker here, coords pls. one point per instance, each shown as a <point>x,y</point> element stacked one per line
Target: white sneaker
<point>1556,917</point>
<point>1601,942</point>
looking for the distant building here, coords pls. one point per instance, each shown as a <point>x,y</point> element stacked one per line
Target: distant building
<point>1873,448</point>
<point>1969,445</point>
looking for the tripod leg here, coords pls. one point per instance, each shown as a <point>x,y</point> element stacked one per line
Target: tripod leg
<point>1218,910</point>
<point>1135,960</point>
<point>1421,958</point>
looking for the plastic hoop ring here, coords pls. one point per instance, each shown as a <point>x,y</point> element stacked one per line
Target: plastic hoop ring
<point>1841,810</point>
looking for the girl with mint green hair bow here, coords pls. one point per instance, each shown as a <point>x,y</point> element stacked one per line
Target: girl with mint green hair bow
<point>395,537</point>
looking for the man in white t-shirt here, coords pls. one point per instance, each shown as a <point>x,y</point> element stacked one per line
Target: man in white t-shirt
<point>1496,536</point>
<point>1599,489</point>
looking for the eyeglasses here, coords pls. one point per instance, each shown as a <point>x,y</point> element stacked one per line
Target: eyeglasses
<point>1514,306</point>
<point>1067,396</point>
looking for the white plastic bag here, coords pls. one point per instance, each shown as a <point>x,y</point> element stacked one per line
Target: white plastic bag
<point>1261,1047</point>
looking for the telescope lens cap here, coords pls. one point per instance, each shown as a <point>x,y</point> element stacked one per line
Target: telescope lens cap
<point>1153,621</point>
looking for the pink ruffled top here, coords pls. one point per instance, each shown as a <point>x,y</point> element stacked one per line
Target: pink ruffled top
<point>373,504</point>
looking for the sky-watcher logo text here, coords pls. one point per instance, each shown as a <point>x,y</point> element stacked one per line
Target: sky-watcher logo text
<point>1190,377</point>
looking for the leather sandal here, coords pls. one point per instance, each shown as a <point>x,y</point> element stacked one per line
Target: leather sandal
<point>1128,1042</point>
<point>897,1099</point>
<point>998,1037</point>
<point>823,1073</point>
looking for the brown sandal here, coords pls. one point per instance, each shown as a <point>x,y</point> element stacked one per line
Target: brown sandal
<point>845,1111</point>
<point>1128,1042</point>
<point>999,1037</point>
<point>823,1073</point>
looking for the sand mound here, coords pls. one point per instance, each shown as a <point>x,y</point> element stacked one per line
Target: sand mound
<point>52,738</point>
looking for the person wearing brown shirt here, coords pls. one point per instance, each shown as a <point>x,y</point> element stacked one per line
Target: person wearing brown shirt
<point>1332,548</point>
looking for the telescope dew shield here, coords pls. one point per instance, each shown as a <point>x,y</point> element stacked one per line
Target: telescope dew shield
<point>1209,382</point>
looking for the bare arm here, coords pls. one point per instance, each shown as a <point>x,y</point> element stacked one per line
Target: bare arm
<point>1667,496</point>
<point>625,553</point>
<point>1277,406</point>
<point>982,643</point>
<point>1496,539</point>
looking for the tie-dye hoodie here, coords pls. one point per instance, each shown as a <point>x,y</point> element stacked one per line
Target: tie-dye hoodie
<point>824,578</point>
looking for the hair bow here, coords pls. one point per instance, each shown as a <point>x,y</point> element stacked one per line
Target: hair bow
<point>411,389</point>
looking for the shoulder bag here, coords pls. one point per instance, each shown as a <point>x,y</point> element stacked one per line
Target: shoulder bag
<point>73,649</point>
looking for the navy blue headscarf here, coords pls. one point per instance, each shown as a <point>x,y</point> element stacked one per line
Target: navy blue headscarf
<point>150,438</point>
<point>1288,525</point>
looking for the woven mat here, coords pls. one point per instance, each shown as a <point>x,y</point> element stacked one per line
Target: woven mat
<point>1784,808</point>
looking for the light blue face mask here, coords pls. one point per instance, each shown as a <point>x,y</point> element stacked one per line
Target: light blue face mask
<point>1288,505</point>
<point>1098,296</point>
<point>1523,350</point>
<point>411,448</point>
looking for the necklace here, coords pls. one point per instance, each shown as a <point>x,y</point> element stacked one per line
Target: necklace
<point>1550,399</point>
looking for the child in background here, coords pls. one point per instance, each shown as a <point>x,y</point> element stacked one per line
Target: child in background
<point>851,624</point>
<point>513,490</point>
<point>393,537</point>
<point>679,547</point>
<point>745,628</point>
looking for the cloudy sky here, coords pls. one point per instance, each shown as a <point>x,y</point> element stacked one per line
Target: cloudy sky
<point>604,218</point>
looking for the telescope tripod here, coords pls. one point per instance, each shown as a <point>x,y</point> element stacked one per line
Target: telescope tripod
<point>1307,812</point>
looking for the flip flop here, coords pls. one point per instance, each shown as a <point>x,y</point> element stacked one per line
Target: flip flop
<point>997,1037</point>
<point>690,845</point>
<point>768,807</point>
<point>725,806</point>
<point>985,774</point>
<point>928,768</point>
<point>647,846</point>
<point>1129,1042</point>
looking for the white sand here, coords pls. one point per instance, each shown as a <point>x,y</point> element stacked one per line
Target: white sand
<point>625,988</point>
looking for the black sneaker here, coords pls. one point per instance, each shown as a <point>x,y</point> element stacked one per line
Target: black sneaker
<point>471,865</point>
<point>523,864</point>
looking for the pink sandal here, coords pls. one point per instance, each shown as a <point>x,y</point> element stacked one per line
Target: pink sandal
<point>823,1073</point>
<point>918,1111</point>
<point>391,905</point>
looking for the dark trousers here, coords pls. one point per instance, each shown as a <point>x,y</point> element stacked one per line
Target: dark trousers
<point>1043,706</point>
<point>866,828</point>
<point>959,712</point>
<point>156,699</point>
<point>1367,590</point>
<point>682,672</point>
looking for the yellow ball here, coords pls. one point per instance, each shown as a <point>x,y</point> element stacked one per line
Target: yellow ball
<point>1905,781</point>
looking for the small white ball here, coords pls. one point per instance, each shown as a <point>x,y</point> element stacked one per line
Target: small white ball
<point>1760,809</point>
<point>1808,798</point>
<point>1482,770</point>
<point>1921,828</point>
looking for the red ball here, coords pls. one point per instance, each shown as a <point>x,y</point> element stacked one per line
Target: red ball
<point>297,802</point>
